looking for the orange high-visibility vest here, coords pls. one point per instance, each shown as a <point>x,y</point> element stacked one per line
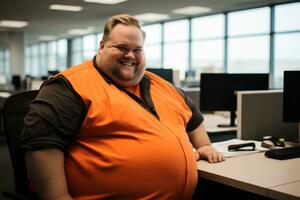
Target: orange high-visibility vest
<point>122,151</point>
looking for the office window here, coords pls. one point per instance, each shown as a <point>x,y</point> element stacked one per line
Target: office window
<point>208,27</point>
<point>52,51</point>
<point>4,61</point>
<point>34,69</point>
<point>287,48</point>
<point>176,49</point>
<point>89,46</point>
<point>287,17</point>
<point>248,41</point>
<point>248,55</point>
<point>76,51</point>
<point>43,61</point>
<point>62,51</point>
<point>27,59</point>
<point>4,66</point>
<point>153,34</point>
<point>176,31</point>
<point>153,56</point>
<point>39,58</point>
<point>286,41</point>
<point>152,47</point>
<point>254,21</point>
<point>176,57</point>
<point>208,56</point>
<point>207,44</point>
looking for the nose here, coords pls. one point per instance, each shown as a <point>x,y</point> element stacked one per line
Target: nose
<point>129,54</point>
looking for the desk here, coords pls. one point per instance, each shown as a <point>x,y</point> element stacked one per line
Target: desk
<point>254,173</point>
<point>290,191</point>
<point>215,133</point>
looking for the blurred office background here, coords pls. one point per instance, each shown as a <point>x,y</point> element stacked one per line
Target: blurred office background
<point>234,36</point>
<point>188,36</point>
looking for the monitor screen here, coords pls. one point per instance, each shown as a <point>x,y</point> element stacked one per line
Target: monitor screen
<point>166,74</point>
<point>291,96</point>
<point>217,90</point>
<point>16,81</point>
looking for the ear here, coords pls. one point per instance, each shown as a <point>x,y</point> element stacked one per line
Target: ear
<point>101,46</point>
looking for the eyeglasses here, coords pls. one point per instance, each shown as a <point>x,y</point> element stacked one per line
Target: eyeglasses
<point>125,50</point>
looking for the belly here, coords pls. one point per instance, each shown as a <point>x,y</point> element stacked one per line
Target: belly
<point>131,168</point>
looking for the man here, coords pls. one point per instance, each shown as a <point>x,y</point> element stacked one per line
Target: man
<point>106,129</point>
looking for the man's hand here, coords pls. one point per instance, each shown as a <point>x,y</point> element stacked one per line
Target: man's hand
<point>209,153</point>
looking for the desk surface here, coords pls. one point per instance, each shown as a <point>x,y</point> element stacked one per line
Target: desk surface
<point>253,173</point>
<point>211,122</point>
<point>4,94</point>
<point>290,191</point>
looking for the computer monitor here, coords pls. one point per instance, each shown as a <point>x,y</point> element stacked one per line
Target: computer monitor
<point>16,81</point>
<point>166,74</point>
<point>217,91</point>
<point>52,72</point>
<point>291,98</point>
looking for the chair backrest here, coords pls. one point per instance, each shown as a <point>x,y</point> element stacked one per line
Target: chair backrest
<point>14,110</point>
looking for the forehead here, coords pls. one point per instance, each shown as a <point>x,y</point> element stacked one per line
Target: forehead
<point>126,34</point>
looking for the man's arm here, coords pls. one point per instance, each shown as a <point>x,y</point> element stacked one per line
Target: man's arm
<point>201,143</point>
<point>47,171</point>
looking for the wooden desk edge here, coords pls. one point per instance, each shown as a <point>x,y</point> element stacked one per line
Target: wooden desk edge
<point>232,183</point>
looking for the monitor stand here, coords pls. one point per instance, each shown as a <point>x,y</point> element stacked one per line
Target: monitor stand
<point>232,121</point>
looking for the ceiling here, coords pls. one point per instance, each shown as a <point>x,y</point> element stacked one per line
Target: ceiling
<point>43,21</point>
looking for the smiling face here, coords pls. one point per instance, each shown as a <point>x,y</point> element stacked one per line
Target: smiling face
<point>121,57</point>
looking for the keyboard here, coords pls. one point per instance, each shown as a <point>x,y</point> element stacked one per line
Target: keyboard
<point>284,153</point>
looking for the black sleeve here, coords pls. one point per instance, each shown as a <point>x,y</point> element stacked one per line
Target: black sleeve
<point>197,117</point>
<point>54,117</point>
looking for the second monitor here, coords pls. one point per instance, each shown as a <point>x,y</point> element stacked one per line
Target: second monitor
<point>166,74</point>
<point>217,90</point>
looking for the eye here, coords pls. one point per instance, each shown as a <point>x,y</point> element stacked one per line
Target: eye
<point>139,50</point>
<point>120,48</point>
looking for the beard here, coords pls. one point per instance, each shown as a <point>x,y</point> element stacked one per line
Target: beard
<point>124,74</point>
<point>127,73</point>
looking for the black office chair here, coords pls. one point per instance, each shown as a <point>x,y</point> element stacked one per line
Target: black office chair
<point>14,110</point>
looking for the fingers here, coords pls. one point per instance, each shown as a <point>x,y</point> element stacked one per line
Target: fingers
<point>215,157</point>
<point>211,154</point>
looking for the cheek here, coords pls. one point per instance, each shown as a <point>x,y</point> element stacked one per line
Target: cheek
<point>115,55</point>
<point>140,59</point>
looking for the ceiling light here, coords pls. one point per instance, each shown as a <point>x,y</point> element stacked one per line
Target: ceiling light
<point>13,23</point>
<point>191,10</point>
<point>79,31</point>
<point>105,1</point>
<point>65,7</point>
<point>151,17</point>
<point>47,38</point>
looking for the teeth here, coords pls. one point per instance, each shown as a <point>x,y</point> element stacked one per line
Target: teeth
<point>124,63</point>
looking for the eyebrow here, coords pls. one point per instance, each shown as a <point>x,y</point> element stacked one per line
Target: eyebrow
<point>125,45</point>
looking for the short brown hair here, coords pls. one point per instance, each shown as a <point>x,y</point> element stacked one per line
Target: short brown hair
<point>124,19</point>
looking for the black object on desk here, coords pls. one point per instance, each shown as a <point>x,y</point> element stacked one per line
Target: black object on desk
<point>284,153</point>
<point>249,146</point>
